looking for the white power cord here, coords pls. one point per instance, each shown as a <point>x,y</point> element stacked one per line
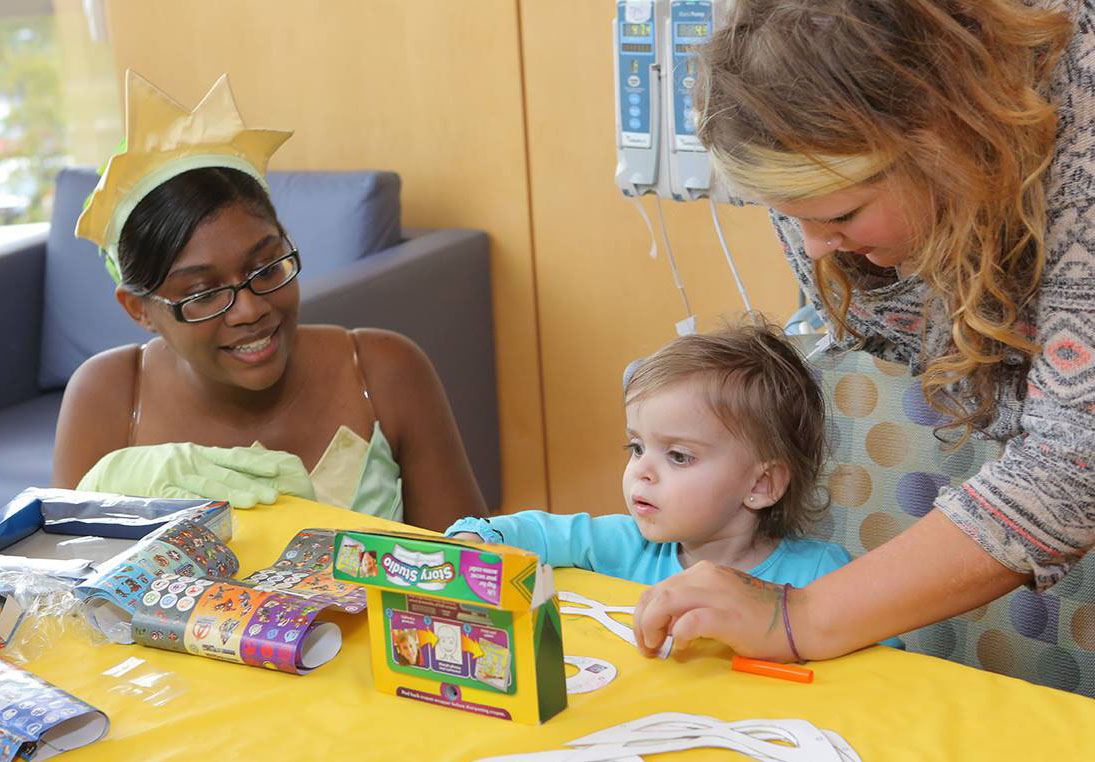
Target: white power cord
<point>729,256</point>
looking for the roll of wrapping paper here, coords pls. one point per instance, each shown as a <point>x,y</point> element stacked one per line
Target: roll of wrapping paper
<point>223,619</point>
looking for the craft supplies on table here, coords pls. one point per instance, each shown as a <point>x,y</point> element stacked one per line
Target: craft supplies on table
<point>38,719</point>
<point>464,625</point>
<point>582,606</point>
<point>173,591</point>
<point>775,740</point>
<point>229,713</point>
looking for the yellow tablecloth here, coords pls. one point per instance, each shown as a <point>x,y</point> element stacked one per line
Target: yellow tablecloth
<point>888,704</point>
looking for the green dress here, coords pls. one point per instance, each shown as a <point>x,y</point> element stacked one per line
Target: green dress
<point>360,475</point>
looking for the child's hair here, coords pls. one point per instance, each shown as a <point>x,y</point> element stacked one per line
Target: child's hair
<point>800,98</point>
<point>761,390</point>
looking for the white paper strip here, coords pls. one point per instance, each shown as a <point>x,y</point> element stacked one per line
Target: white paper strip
<point>600,612</point>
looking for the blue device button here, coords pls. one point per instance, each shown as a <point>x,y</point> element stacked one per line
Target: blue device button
<point>634,98</point>
<point>634,111</point>
<point>634,124</point>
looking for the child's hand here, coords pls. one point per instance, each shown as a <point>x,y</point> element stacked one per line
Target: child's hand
<point>469,536</point>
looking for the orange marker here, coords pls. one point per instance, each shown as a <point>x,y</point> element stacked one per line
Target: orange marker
<point>791,672</point>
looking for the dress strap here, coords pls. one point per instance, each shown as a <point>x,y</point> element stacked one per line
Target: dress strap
<point>357,364</point>
<point>135,404</point>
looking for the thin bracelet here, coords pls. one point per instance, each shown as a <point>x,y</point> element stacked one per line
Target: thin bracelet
<point>787,625</point>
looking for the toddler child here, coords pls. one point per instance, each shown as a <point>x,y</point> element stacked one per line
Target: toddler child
<point>726,439</point>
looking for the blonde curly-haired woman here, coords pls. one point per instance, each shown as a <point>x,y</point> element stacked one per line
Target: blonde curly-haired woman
<point>930,170</point>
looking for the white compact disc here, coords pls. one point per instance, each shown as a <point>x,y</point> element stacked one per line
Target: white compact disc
<point>592,674</point>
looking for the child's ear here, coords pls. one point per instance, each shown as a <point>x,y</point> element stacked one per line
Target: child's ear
<point>769,486</point>
<point>135,307</point>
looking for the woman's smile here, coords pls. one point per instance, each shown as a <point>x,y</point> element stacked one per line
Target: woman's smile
<point>255,350</point>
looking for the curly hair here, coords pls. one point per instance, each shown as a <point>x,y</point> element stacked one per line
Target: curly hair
<point>761,390</point>
<point>799,98</point>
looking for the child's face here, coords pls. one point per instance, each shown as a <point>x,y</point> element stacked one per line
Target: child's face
<point>688,479</point>
<point>368,564</point>
<point>406,643</point>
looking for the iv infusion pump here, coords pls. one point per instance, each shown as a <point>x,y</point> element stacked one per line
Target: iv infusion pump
<point>657,148</point>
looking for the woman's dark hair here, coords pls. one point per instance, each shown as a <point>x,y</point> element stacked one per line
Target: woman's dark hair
<point>162,223</point>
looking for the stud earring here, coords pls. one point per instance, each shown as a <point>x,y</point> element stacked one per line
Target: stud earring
<point>829,242</point>
<point>751,498</point>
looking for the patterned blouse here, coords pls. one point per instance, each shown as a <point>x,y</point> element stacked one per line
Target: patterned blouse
<point>1034,508</point>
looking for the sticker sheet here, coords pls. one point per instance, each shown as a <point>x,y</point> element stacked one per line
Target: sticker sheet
<point>174,591</point>
<point>224,619</point>
<point>184,548</point>
<point>38,719</point>
<point>266,620</point>
<point>304,569</point>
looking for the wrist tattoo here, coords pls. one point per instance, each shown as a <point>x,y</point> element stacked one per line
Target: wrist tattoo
<point>767,591</point>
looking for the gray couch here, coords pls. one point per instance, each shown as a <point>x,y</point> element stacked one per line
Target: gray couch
<point>359,269</point>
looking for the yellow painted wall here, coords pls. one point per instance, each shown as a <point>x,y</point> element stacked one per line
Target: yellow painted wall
<point>602,301</point>
<point>498,115</point>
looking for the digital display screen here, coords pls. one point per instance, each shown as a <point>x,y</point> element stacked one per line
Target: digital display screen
<point>684,48</point>
<point>636,30</point>
<point>692,30</point>
<point>635,47</point>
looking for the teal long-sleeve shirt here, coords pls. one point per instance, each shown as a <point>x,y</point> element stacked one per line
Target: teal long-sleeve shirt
<point>614,546</point>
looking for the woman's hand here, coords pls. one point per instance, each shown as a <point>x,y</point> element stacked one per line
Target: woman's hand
<point>244,476</point>
<point>712,601</point>
<point>929,572</point>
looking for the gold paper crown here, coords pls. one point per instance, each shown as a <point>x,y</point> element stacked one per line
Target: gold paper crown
<point>162,140</point>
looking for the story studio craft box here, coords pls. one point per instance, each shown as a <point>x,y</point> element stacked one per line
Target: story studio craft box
<point>464,625</point>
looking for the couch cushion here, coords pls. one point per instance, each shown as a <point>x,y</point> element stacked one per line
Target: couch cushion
<point>80,316</point>
<point>26,444</point>
<point>333,217</point>
<point>888,468</point>
<point>336,217</point>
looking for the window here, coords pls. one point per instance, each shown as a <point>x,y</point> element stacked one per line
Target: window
<point>59,100</point>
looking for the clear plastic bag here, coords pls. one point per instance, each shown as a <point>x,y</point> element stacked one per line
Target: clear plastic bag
<point>136,678</point>
<point>50,609</point>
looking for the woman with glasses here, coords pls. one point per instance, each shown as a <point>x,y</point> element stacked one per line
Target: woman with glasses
<point>233,399</point>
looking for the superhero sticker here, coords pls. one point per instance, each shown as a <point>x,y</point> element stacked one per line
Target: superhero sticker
<point>182,548</point>
<point>34,713</point>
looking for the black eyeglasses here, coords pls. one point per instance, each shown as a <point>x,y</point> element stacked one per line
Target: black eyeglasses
<point>217,301</point>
